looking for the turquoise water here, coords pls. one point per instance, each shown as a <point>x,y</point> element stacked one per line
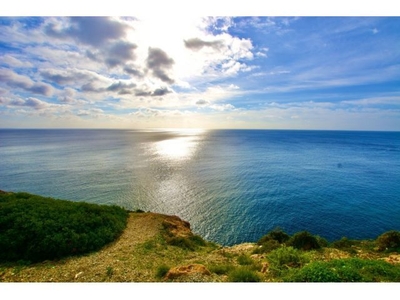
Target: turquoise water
<point>232,185</point>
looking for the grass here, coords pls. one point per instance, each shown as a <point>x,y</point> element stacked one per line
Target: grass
<point>221,269</point>
<point>346,270</point>
<point>35,228</point>
<point>243,274</point>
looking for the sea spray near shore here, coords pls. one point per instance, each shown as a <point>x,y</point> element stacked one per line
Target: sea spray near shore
<point>232,185</point>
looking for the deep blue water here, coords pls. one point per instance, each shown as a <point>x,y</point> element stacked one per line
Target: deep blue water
<point>232,185</point>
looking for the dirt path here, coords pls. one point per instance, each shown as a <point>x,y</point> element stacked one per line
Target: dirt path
<point>115,261</point>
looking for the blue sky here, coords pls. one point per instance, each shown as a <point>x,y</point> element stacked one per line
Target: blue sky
<point>203,72</point>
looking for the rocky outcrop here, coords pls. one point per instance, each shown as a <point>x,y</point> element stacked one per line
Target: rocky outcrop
<point>176,227</point>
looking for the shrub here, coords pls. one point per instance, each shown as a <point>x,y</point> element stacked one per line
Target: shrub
<point>322,242</point>
<point>284,258</point>
<point>271,241</point>
<point>267,246</point>
<point>162,271</point>
<point>389,241</point>
<point>314,272</point>
<point>244,260</point>
<point>243,274</point>
<point>346,270</point>
<point>190,243</point>
<point>221,269</point>
<point>35,228</point>
<point>276,235</point>
<point>304,240</point>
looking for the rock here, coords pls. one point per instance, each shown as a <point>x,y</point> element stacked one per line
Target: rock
<point>187,271</point>
<point>177,227</point>
<point>392,259</point>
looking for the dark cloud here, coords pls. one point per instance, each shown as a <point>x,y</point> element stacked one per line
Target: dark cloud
<point>120,86</point>
<point>15,80</point>
<point>91,55</point>
<point>94,31</point>
<point>59,77</point>
<point>159,63</point>
<point>36,103</point>
<point>141,93</point>
<point>120,53</point>
<point>202,102</point>
<point>91,87</point>
<point>197,44</point>
<point>41,89</point>
<point>157,92</point>
<point>133,71</point>
<point>31,102</point>
<point>160,92</point>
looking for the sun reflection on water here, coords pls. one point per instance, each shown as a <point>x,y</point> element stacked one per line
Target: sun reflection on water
<point>182,145</point>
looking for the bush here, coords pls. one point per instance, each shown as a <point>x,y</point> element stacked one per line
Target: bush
<point>314,272</point>
<point>304,240</point>
<point>190,243</point>
<point>271,241</point>
<point>284,258</point>
<point>35,228</point>
<point>267,246</point>
<point>243,274</point>
<point>244,260</point>
<point>276,235</point>
<point>221,269</point>
<point>162,271</point>
<point>389,241</point>
<point>346,270</point>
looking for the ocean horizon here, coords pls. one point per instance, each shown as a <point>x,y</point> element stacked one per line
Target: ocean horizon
<point>232,185</point>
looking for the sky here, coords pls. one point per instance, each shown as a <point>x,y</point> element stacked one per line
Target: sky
<point>187,71</point>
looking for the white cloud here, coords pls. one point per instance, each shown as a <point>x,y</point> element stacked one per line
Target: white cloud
<point>15,62</point>
<point>15,80</point>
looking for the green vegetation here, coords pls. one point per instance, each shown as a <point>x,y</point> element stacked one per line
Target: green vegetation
<point>271,241</point>
<point>243,274</point>
<point>304,240</point>
<point>285,258</point>
<point>244,260</point>
<point>389,241</point>
<point>34,228</point>
<point>346,270</point>
<point>162,271</point>
<point>221,269</point>
<point>37,229</point>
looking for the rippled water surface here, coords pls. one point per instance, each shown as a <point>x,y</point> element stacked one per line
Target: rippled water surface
<point>231,185</point>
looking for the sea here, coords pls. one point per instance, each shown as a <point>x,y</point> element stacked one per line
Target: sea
<point>233,186</point>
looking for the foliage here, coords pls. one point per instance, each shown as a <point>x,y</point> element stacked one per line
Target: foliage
<point>162,270</point>
<point>284,258</point>
<point>345,244</point>
<point>389,241</point>
<point>243,274</point>
<point>271,241</point>
<point>276,235</point>
<point>35,228</point>
<point>221,269</point>
<point>190,243</point>
<point>346,270</point>
<point>314,272</point>
<point>322,242</point>
<point>304,240</point>
<point>244,260</point>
